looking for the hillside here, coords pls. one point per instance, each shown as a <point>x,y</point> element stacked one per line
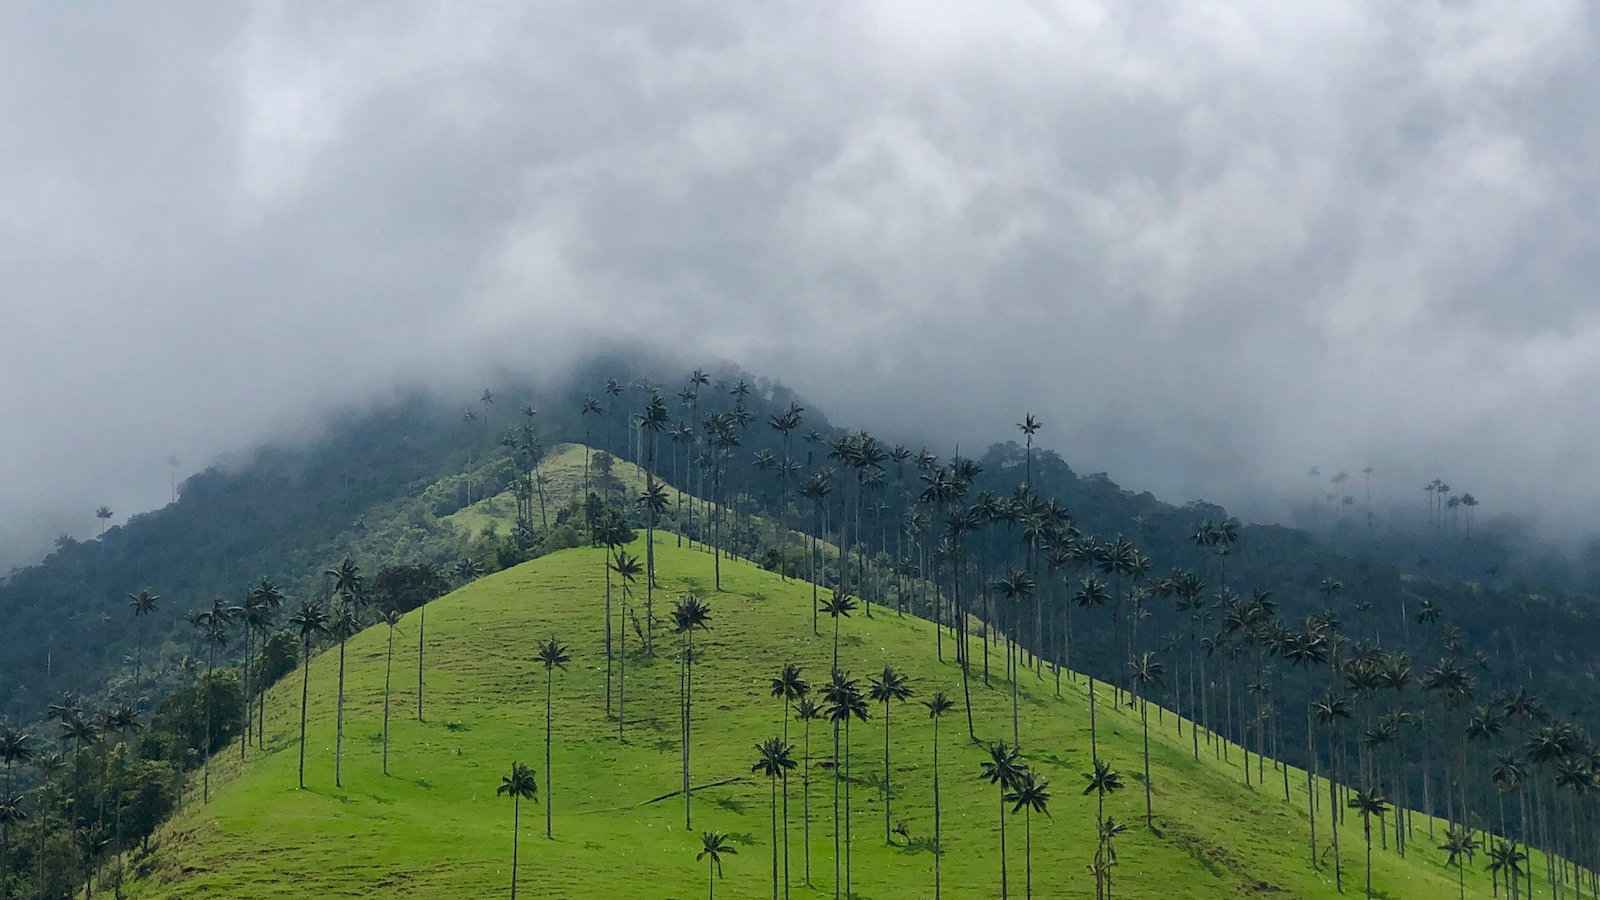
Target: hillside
<point>435,828</point>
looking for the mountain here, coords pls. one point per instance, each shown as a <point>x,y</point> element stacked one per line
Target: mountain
<point>435,827</point>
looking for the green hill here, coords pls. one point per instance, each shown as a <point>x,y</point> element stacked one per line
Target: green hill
<point>435,828</point>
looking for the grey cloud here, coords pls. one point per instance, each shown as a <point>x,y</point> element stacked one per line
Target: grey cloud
<point>1211,244</point>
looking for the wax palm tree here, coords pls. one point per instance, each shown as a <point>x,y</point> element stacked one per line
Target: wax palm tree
<point>628,569</point>
<point>845,702</point>
<point>713,846</point>
<point>690,615</point>
<point>937,706</point>
<point>213,625</point>
<point>807,712</point>
<point>1106,854</point>
<point>789,687</point>
<point>890,687</point>
<point>839,606</point>
<point>1505,861</point>
<point>1369,803</point>
<point>1147,672</point>
<point>143,604</point>
<point>344,624</point>
<point>552,655</point>
<point>1460,845</point>
<point>1016,587</point>
<point>310,621</point>
<point>817,488</point>
<point>391,618</point>
<point>1029,426</point>
<point>775,761</point>
<point>591,407</point>
<point>15,747</point>
<point>12,815</point>
<point>1028,796</point>
<point>1004,769</point>
<point>1092,594</point>
<point>519,785</point>
<point>260,613</point>
<point>1329,712</point>
<point>1102,781</point>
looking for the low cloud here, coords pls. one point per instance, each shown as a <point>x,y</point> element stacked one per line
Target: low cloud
<point>1210,244</point>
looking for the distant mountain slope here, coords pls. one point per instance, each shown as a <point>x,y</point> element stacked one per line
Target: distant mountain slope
<point>435,828</point>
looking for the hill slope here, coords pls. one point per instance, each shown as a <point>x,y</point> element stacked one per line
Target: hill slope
<point>435,828</point>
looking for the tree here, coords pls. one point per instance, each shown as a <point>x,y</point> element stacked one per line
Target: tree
<point>654,502</point>
<point>628,569</point>
<point>1016,587</point>
<point>807,711</point>
<point>1329,712</point>
<point>552,655</point>
<point>519,785</point>
<point>790,688</point>
<point>213,626</point>
<point>774,762</point>
<point>591,406</point>
<point>1028,796</point>
<point>143,604</point>
<point>260,612</point>
<point>844,703</point>
<point>1369,803</point>
<point>690,615</point>
<point>391,618</point>
<point>1029,426</point>
<point>1147,673</point>
<point>1004,769</point>
<point>310,621</point>
<point>1102,781</point>
<point>937,706</point>
<point>1505,860</point>
<point>890,687</point>
<point>839,606</point>
<point>1460,845</point>
<point>344,624</point>
<point>713,845</point>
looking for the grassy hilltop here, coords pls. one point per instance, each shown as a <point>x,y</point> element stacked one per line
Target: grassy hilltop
<point>435,828</point>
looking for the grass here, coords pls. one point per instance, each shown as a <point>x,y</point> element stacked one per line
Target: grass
<point>434,827</point>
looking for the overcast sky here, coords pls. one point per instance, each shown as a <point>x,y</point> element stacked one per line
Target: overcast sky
<point>1211,244</point>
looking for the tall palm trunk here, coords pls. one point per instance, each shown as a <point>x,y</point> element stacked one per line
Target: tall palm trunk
<point>422,626</point>
<point>516,834</point>
<point>1004,891</point>
<point>608,636</point>
<point>244,733</point>
<point>838,772</point>
<point>774,782</point>
<point>938,850</point>
<point>549,782</point>
<point>1144,722</point>
<point>388,667</point>
<point>338,727</point>
<point>305,687</point>
<point>205,790</point>
<point>805,810</point>
<point>888,794</point>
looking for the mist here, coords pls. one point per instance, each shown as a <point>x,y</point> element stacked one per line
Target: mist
<point>1210,245</point>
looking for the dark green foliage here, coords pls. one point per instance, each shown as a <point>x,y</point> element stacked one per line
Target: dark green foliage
<point>406,587</point>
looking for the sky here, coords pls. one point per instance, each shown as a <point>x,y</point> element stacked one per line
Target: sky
<point>1210,244</point>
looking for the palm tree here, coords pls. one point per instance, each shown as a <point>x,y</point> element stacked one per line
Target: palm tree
<point>807,711</point>
<point>344,625</point>
<point>1370,804</point>
<point>1004,769</point>
<point>1460,845</point>
<point>1106,855</point>
<point>1505,860</point>
<point>817,489</point>
<point>591,406</point>
<point>143,604</point>
<point>691,614</point>
<point>310,621</point>
<point>15,747</point>
<point>889,687</point>
<point>552,655</point>
<point>519,785</point>
<point>712,847</point>
<point>104,514</point>
<point>1329,712</point>
<point>628,569</point>
<point>937,706</point>
<point>1029,426</point>
<point>1147,673</point>
<point>213,625</point>
<point>1028,796</point>
<point>261,611</point>
<point>391,618</point>
<point>1016,587</point>
<point>839,606</point>
<point>774,762</point>
<point>789,688</point>
<point>844,703</point>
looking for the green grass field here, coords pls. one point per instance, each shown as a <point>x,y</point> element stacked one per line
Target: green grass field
<point>434,827</point>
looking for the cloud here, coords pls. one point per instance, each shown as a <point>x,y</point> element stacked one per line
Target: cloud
<point>1210,243</point>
